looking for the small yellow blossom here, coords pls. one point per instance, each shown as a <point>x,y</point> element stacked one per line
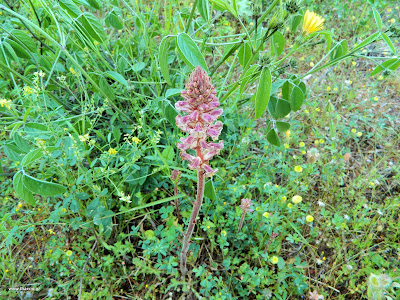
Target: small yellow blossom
<point>301,144</point>
<point>359,134</point>
<point>5,103</point>
<point>328,88</point>
<point>321,141</point>
<point>306,111</point>
<point>376,98</point>
<point>283,198</point>
<point>68,253</point>
<point>392,21</point>
<point>274,259</point>
<point>223,232</point>
<point>353,63</point>
<point>136,140</point>
<point>297,199</point>
<point>251,23</point>
<point>72,71</point>
<point>7,271</point>
<point>287,133</point>
<point>353,130</point>
<point>17,209</point>
<point>309,218</point>
<point>389,10</point>
<point>266,215</point>
<point>371,183</point>
<point>303,152</point>
<point>312,22</point>
<point>312,64</point>
<point>316,143</point>
<point>298,169</point>
<point>290,205</point>
<point>208,227</point>
<point>112,151</point>
<point>335,89</point>
<point>317,109</point>
<point>286,146</point>
<point>19,205</point>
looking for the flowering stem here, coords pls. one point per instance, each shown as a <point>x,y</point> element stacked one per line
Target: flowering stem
<point>241,222</point>
<point>192,221</point>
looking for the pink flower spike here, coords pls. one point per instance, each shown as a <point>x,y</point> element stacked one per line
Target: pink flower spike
<point>246,205</point>
<point>196,162</point>
<point>209,171</point>
<point>183,106</point>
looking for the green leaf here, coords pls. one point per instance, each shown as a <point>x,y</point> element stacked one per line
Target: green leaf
<point>388,42</point>
<point>172,92</point>
<point>189,52</point>
<point>19,50</point>
<point>377,17</point>
<point>263,92</point>
<point>92,26</point>
<point>114,21</point>
<point>296,98</point>
<point>31,157</point>
<point>13,152</point>
<point>273,138</point>
<point>21,143</point>
<point>170,113</point>
<point>367,41</point>
<point>286,90</point>
<point>43,188</point>
<point>117,77</point>
<point>209,190</point>
<point>282,108</point>
<point>116,133</point>
<point>21,190</point>
<point>295,22</point>
<point>72,9</point>
<point>168,153</point>
<point>278,43</point>
<point>204,9</point>
<point>105,87</point>
<point>163,59</point>
<point>21,37</point>
<point>342,49</point>
<point>95,4</point>
<point>282,126</point>
<point>244,54</point>
<point>390,64</point>
<point>139,66</point>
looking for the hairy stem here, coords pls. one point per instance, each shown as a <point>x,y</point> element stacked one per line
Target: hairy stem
<point>192,221</point>
<point>241,222</point>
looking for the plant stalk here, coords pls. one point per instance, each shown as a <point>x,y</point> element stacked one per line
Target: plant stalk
<point>192,221</point>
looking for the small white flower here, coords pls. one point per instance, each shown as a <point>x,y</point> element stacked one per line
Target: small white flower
<point>320,203</point>
<point>379,212</point>
<point>346,217</point>
<point>365,206</point>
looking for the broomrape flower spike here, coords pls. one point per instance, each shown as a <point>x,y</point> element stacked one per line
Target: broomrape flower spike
<point>201,108</point>
<point>312,22</point>
<point>246,206</point>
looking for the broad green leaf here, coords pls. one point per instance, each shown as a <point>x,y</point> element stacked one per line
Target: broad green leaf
<point>94,3</point>
<point>114,21</point>
<point>9,51</point>
<point>116,133</point>
<point>189,52</point>
<point>23,38</point>
<point>282,108</point>
<point>43,188</point>
<point>170,113</point>
<point>209,190</point>
<point>31,157</point>
<point>278,43</point>
<point>117,77</point>
<point>21,190</point>
<point>276,85</point>
<point>168,153</point>
<point>36,126</point>
<point>204,9</point>
<point>244,54</point>
<point>263,92</point>
<point>172,92</point>
<point>273,138</point>
<point>105,87</point>
<point>282,126</point>
<point>72,9</point>
<point>13,152</point>
<point>388,42</point>
<point>163,59</point>
<point>367,41</point>
<point>377,17</point>
<point>19,50</point>
<point>92,26</point>
<point>391,64</point>
<point>295,22</point>
<point>21,143</point>
<point>286,90</point>
<point>296,98</point>
<point>342,49</point>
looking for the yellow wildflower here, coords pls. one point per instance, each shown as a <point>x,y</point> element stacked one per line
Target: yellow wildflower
<point>286,146</point>
<point>266,214</point>
<point>353,130</point>
<point>392,21</point>
<point>223,232</point>
<point>328,88</point>
<point>72,71</point>
<point>68,253</point>
<point>297,199</point>
<point>290,205</point>
<point>112,151</point>
<point>301,144</point>
<point>283,198</point>
<point>287,133</point>
<point>353,63</point>
<point>136,140</point>
<point>5,103</point>
<point>359,134</point>
<point>309,218</point>
<point>274,259</point>
<point>298,169</point>
<point>312,22</point>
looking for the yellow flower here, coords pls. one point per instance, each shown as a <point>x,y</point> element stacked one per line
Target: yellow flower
<point>353,63</point>
<point>301,144</point>
<point>316,142</point>
<point>287,133</point>
<point>136,140</point>
<point>312,22</point>
<point>5,103</point>
<point>353,130</point>
<point>68,253</point>
<point>298,169</point>
<point>389,10</point>
<point>223,232</point>
<point>274,259</point>
<point>112,151</point>
<point>317,109</point>
<point>19,205</point>
<point>309,218</point>
<point>335,89</point>
<point>321,141</point>
<point>311,64</point>
<point>251,23</point>
<point>328,88</point>
<point>290,205</point>
<point>359,134</point>
<point>283,198</point>
<point>266,214</point>
<point>392,21</point>
<point>72,71</point>
<point>303,152</point>
<point>306,111</point>
<point>297,199</point>
<point>286,146</point>
<point>7,271</point>
<point>376,98</point>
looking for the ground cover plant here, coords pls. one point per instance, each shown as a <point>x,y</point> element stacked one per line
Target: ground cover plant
<point>205,149</point>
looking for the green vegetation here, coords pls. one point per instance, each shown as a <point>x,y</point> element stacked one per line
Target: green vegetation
<point>88,208</point>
